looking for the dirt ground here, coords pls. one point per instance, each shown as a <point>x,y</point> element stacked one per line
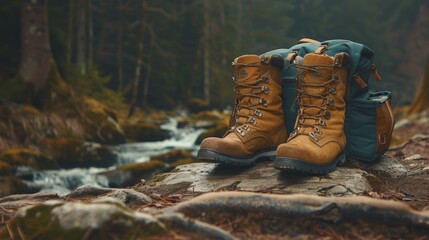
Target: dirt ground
<point>413,153</point>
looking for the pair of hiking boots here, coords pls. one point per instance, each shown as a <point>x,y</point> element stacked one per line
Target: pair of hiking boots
<point>257,128</point>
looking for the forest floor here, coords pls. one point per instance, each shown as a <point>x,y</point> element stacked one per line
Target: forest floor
<point>230,212</point>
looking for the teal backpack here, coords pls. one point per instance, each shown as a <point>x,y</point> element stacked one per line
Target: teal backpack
<point>288,77</point>
<point>369,120</point>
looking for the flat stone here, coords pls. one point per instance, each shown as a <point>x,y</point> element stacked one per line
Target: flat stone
<point>387,166</point>
<point>414,157</point>
<point>208,177</point>
<point>129,197</point>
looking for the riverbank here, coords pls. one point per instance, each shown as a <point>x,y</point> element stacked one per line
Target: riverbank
<point>57,152</point>
<point>388,200</point>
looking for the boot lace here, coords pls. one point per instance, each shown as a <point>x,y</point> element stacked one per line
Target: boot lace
<point>244,94</point>
<point>302,92</point>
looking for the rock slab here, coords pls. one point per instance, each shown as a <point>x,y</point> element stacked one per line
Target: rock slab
<point>211,177</point>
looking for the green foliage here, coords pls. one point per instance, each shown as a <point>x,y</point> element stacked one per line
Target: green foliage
<point>93,84</point>
<point>172,35</point>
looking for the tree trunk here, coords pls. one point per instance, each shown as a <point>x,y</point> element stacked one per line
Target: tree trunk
<point>81,36</point>
<point>90,36</point>
<point>70,32</point>
<point>421,101</point>
<point>137,74</point>
<point>119,49</point>
<point>148,72</point>
<point>206,49</point>
<point>35,49</point>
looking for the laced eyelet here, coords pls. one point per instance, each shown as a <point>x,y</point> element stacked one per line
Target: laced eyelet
<point>313,136</point>
<point>327,115</point>
<point>265,89</point>
<point>322,123</point>
<point>252,120</point>
<point>333,90</point>
<point>246,127</point>
<point>330,102</point>
<point>316,130</point>
<point>258,113</point>
<point>263,101</point>
<point>240,131</point>
<point>265,78</point>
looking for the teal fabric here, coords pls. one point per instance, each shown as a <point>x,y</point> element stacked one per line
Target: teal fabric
<point>288,77</point>
<point>362,135</point>
<point>361,109</point>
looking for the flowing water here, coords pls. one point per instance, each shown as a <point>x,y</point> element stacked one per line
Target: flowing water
<point>63,181</point>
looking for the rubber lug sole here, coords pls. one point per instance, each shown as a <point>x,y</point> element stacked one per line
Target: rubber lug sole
<point>286,164</point>
<point>212,156</point>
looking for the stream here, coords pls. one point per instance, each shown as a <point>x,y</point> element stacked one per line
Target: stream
<point>63,181</point>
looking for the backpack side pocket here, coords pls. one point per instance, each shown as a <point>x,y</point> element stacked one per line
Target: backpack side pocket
<point>385,124</point>
<point>370,127</point>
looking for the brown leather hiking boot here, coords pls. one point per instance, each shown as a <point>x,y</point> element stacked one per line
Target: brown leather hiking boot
<point>317,144</point>
<point>257,126</point>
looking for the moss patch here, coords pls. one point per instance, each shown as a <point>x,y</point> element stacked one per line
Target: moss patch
<point>140,169</point>
<point>197,105</point>
<point>12,185</point>
<point>5,168</point>
<point>173,156</point>
<point>74,152</point>
<point>27,157</point>
<point>144,131</point>
<point>42,222</point>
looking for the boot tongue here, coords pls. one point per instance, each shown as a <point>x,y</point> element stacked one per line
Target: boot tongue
<point>320,76</point>
<point>247,74</point>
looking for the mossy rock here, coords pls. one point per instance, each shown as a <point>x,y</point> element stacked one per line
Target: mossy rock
<point>144,131</point>
<point>5,168</point>
<point>75,152</point>
<point>12,185</point>
<point>173,156</point>
<point>141,168</point>
<point>156,117</point>
<point>133,173</point>
<point>204,119</point>
<point>218,131</point>
<point>181,162</point>
<point>101,128</point>
<point>28,157</point>
<point>197,105</point>
<point>72,220</point>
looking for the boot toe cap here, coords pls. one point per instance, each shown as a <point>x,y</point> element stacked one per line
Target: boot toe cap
<point>305,153</point>
<point>224,146</point>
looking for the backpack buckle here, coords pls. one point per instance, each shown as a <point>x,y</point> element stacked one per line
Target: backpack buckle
<point>321,49</point>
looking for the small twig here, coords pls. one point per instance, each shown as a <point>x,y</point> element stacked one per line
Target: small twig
<point>21,234</point>
<point>11,234</point>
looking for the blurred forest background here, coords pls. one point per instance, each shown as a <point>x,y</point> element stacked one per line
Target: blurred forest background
<point>173,53</point>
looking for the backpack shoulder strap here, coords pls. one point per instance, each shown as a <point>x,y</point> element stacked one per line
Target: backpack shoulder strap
<point>307,40</point>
